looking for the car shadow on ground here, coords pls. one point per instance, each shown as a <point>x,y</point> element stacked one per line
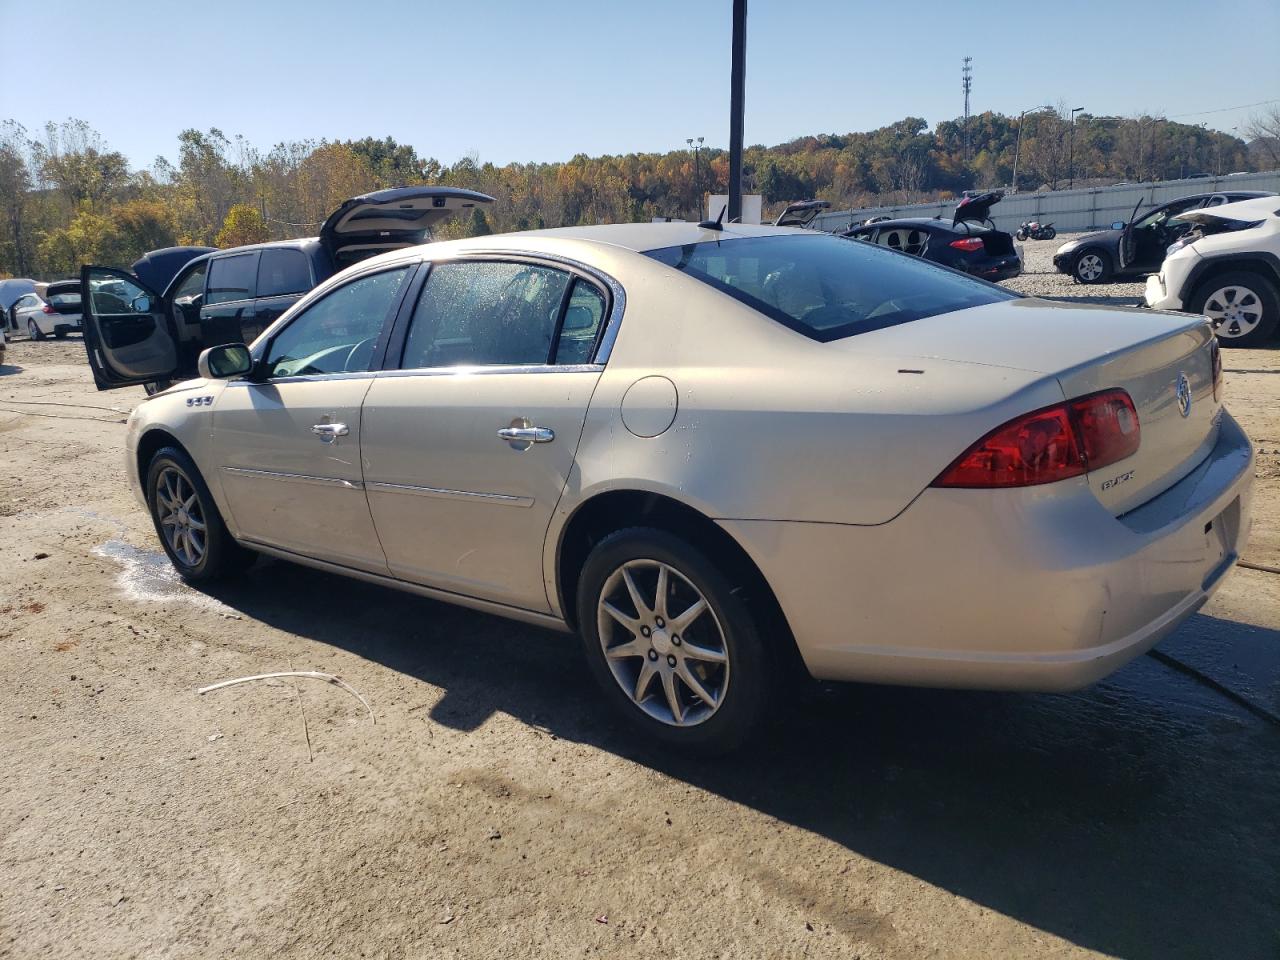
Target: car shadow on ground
<point>8,369</point>
<point>1138,818</point>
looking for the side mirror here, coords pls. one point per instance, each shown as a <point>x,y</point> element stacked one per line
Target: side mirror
<point>1119,225</point>
<point>140,304</point>
<point>224,362</point>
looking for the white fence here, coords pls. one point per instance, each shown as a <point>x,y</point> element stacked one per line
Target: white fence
<point>1084,209</point>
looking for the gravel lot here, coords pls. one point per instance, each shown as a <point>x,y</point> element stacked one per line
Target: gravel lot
<point>491,811</point>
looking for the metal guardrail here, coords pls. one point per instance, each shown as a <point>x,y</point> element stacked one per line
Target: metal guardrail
<point>1087,208</point>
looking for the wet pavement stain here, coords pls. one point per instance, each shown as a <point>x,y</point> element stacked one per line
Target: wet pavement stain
<point>148,576</point>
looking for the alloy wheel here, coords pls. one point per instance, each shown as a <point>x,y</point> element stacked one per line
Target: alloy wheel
<point>1235,311</point>
<point>1089,267</point>
<point>663,642</point>
<point>181,516</point>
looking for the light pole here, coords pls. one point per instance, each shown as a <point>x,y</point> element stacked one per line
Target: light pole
<point>697,179</point>
<point>737,106</point>
<point>1017,148</point>
<point>1071,149</point>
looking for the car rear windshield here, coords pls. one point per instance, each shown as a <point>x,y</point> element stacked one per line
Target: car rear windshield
<point>70,299</point>
<point>828,287</point>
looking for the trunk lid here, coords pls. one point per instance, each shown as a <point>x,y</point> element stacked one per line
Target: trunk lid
<point>1163,360</point>
<point>64,297</point>
<point>801,214</point>
<point>388,219</point>
<point>977,209</point>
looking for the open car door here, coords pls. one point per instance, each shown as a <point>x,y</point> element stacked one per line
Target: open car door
<point>126,330</point>
<point>1128,244</point>
<point>388,219</point>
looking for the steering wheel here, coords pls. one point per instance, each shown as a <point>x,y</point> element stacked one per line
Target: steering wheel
<point>364,360</point>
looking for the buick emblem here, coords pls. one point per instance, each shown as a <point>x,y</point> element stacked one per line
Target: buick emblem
<point>1183,391</point>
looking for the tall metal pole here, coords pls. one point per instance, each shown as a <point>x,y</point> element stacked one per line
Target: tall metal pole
<point>1071,150</point>
<point>737,107</point>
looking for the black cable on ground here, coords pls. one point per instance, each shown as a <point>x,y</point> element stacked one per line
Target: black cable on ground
<point>1213,684</point>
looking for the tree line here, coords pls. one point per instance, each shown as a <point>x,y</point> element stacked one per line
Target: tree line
<point>67,198</point>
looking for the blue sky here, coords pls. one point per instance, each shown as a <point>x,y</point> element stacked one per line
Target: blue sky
<point>545,79</point>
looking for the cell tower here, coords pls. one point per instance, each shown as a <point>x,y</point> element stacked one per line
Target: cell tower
<point>966,81</point>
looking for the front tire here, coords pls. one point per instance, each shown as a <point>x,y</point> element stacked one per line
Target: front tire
<point>673,641</point>
<point>1243,307</point>
<point>33,331</point>
<point>187,521</point>
<point>1092,266</point>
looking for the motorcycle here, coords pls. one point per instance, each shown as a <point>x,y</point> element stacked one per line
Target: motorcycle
<point>1034,230</point>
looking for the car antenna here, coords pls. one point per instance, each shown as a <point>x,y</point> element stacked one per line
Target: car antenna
<point>717,223</point>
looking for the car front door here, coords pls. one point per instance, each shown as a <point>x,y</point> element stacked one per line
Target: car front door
<point>126,329</point>
<point>468,446</point>
<point>287,439</point>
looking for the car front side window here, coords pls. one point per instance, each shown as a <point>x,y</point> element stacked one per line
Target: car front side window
<point>487,313</point>
<point>337,333</point>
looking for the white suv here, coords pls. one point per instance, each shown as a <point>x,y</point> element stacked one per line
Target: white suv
<point>1228,269</point>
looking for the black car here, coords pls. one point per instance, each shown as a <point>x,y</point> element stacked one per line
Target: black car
<point>968,242</point>
<point>230,296</point>
<point>1098,258</point>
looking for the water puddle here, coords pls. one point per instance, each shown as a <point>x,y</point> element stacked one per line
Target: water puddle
<point>148,576</point>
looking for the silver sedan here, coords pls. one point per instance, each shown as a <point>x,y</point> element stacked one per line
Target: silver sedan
<point>713,453</point>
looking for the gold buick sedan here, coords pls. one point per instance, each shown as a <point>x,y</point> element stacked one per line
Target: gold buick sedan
<point>712,451</point>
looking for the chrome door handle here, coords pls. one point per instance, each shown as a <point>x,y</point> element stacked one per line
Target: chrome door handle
<point>527,434</point>
<point>329,432</point>
<point>522,434</point>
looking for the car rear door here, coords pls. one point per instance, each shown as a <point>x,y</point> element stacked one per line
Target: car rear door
<point>228,312</point>
<point>126,329</point>
<point>468,446</point>
<point>284,275</point>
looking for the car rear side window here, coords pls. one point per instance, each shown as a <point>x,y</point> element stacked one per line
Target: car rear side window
<point>828,287</point>
<point>283,271</point>
<point>232,278</point>
<point>485,313</point>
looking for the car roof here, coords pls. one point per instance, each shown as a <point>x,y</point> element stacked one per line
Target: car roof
<point>640,237</point>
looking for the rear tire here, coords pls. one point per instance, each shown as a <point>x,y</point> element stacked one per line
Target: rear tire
<point>187,521</point>
<point>1050,234</point>
<point>705,680</point>
<point>60,335</point>
<point>1244,307</point>
<point>33,331</point>
<point>1092,266</point>
<point>156,386</point>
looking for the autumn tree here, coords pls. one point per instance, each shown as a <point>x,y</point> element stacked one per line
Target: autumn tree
<point>243,225</point>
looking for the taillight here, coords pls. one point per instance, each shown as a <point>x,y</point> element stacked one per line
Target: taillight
<point>968,245</point>
<point>1215,357</point>
<point>1065,440</point>
<point>47,309</point>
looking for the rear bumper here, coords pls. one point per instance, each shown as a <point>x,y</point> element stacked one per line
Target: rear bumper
<point>996,268</point>
<point>1031,589</point>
